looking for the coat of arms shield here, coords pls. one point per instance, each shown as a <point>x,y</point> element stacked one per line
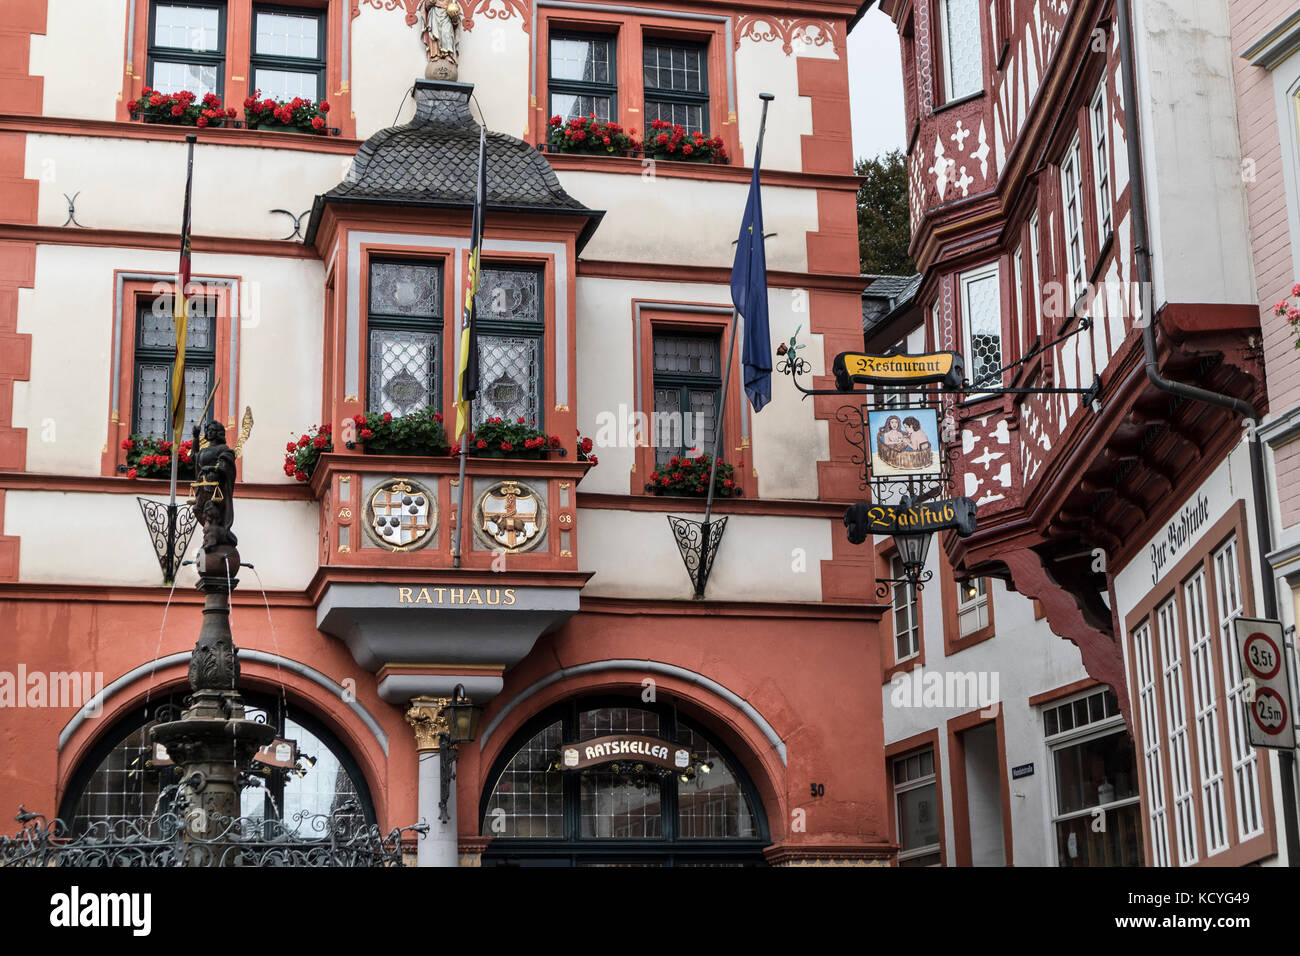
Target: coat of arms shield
<point>510,515</point>
<point>401,514</point>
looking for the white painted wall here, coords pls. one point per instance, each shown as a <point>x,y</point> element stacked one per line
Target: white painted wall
<point>387,58</point>
<point>1200,234</point>
<point>82,56</point>
<point>754,563</point>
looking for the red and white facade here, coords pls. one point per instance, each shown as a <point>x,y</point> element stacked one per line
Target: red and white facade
<point>768,672</point>
<point>1127,528</point>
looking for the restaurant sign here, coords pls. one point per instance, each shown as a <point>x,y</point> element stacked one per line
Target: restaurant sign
<point>624,748</point>
<point>898,368</point>
<point>956,513</point>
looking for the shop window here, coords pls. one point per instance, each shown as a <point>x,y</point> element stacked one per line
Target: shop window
<point>963,63</point>
<point>1152,756</point>
<point>687,394</point>
<point>119,786</point>
<point>510,322</point>
<point>155,353</point>
<point>1099,124</point>
<point>916,809</point>
<point>1227,583</point>
<point>1072,218</point>
<point>187,47</point>
<point>583,76</point>
<point>624,810</point>
<point>907,630</point>
<point>676,84</point>
<point>1093,777</point>
<point>982,325</point>
<point>404,328</point>
<point>288,54</point>
<point>972,606</point>
<point>1208,746</point>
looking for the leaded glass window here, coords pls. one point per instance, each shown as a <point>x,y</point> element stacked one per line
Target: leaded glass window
<point>405,337</point>
<point>583,76</point>
<point>187,44</point>
<point>288,55</point>
<point>510,321</point>
<point>534,808</point>
<point>155,353</point>
<point>687,393</point>
<point>963,69</point>
<point>982,326</point>
<point>676,84</point>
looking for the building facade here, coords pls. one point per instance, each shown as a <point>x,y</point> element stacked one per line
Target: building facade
<point>330,267</point>
<point>1080,222</point>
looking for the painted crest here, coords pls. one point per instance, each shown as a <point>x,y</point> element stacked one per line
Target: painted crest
<point>401,514</point>
<point>510,515</point>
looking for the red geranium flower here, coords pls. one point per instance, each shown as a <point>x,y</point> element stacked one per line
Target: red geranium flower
<point>131,473</point>
<point>367,433</point>
<point>317,122</point>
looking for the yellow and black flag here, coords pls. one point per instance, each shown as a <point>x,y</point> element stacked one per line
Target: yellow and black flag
<point>180,308</point>
<point>467,361</point>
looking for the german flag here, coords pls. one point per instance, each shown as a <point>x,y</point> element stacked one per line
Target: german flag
<point>467,360</point>
<point>180,309</point>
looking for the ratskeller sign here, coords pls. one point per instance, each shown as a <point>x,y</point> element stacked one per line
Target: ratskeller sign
<point>624,747</point>
<point>898,368</point>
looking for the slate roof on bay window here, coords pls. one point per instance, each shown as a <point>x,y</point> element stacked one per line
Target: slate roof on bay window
<point>433,161</point>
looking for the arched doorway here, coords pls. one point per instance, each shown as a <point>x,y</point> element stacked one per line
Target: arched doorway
<point>117,780</point>
<point>623,811</point>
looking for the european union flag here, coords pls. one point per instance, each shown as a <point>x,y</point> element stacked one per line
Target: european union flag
<point>749,295</point>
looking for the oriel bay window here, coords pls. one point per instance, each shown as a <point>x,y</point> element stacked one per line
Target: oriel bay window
<point>623,811</point>
<point>583,79</point>
<point>288,54</point>
<point>405,337</point>
<point>676,84</point>
<point>981,308</point>
<point>511,323</point>
<point>155,352</point>
<point>187,47</point>
<point>687,393</point>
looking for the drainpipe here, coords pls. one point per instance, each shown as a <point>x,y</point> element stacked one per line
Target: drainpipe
<point>1142,254</point>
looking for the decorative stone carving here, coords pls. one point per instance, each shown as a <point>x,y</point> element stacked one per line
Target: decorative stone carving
<point>440,23</point>
<point>428,718</point>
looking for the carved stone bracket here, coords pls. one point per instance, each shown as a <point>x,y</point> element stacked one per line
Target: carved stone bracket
<point>427,717</point>
<point>789,30</point>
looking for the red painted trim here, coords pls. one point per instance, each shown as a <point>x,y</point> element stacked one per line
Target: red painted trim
<point>957,761</point>
<point>886,550</point>
<point>123,238</point>
<point>713,172</point>
<point>789,508</point>
<point>953,640</point>
<point>1047,696</point>
<point>119,485</point>
<point>793,610</point>
<point>717,275</point>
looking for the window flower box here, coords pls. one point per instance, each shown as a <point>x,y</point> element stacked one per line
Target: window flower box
<point>668,141</point>
<point>152,458</point>
<point>497,438</point>
<point>179,109</point>
<point>419,433</point>
<point>300,456</point>
<point>296,115</point>
<point>689,478</point>
<point>586,134</point>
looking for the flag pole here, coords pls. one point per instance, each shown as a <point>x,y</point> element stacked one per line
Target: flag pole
<point>467,374</point>
<point>700,572</point>
<point>182,279</point>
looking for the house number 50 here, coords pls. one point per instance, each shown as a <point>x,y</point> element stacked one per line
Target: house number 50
<point>818,789</point>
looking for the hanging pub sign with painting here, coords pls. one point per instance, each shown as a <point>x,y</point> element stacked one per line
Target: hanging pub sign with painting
<point>904,442</point>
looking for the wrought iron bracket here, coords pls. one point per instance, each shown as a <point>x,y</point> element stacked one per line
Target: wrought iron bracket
<point>447,769</point>
<point>698,543</point>
<point>170,528</point>
<point>885,586</point>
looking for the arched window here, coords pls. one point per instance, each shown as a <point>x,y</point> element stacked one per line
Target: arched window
<point>119,779</point>
<point>624,810</point>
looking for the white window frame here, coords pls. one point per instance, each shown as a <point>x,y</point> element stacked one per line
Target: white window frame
<point>1208,745</point>
<point>1099,121</point>
<point>967,280</point>
<point>949,94</point>
<point>1180,765</point>
<point>1072,213</point>
<point>1036,273</point>
<point>1108,726</point>
<point>930,779</point>
<point>911,608</point>
<point>1149,712</point>
<point>1245,767</point>
<point>968,605</point>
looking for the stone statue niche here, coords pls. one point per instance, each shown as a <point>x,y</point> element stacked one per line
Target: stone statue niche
<point>440,33</point>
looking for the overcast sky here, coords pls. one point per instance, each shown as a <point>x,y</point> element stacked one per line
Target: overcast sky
<point>876,86</point>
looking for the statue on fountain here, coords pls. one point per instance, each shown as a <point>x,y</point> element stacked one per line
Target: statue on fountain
<point>214,500</point>
<point>440,20</point>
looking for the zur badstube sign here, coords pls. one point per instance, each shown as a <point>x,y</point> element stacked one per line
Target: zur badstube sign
<point>898,368</point>
<point>866,519</point>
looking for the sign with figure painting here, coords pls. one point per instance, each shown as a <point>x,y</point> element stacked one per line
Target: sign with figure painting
<point>904,441</point>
